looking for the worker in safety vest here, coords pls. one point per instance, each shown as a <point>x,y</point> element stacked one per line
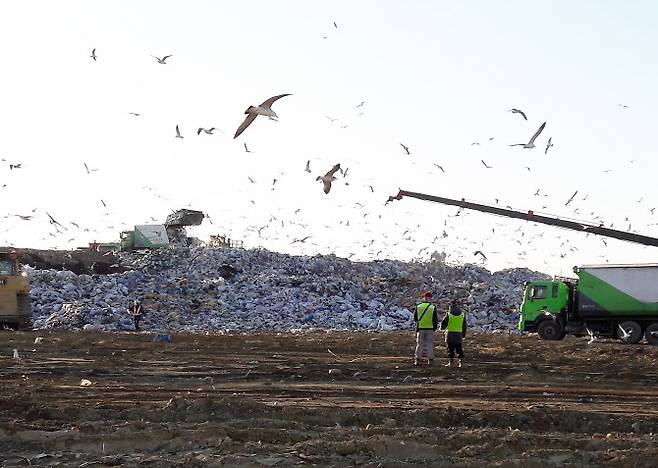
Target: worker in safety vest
<point>454,324</point>
<point>426,323</point>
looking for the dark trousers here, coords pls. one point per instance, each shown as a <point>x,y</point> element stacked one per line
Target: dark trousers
<point>455,348</point>
<point>136,319</point>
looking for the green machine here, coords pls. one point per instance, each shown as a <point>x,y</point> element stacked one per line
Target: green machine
<point>145,236</point>
<point>618,301</point>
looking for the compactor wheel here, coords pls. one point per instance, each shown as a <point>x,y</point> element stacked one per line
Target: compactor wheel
<point>651,334</point>
<point>629,332</point>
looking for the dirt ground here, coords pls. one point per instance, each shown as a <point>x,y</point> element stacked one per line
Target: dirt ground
<point>323,399</point>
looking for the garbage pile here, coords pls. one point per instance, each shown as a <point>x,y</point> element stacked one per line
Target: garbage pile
<point>200,288</point>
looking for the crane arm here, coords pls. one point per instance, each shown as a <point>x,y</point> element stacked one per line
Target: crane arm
<point>530,216</point>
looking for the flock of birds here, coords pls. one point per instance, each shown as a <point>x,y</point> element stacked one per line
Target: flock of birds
<point>327,179</point>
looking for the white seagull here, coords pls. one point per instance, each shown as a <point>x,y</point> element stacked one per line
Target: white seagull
<point>308,166</point>
<point>93,54</point>
<point>207,131</point>
<point>254,111</point>
<point>531,143</point>
<point>162,60</point>
<point>328,178</point>
<point>592,337</point>
<point>548,145</point>
<point>178,135</point>
<point>624,333</point>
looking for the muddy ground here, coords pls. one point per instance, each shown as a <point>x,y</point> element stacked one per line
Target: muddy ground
<point>259,400</point>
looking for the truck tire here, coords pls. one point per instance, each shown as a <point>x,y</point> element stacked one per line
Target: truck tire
<point>633,332</point>
<point>550,330</point>
<point>651,334</point>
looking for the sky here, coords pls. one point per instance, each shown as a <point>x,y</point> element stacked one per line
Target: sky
<point>437,76</point>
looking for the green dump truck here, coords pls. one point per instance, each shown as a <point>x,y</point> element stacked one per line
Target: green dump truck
<point>617,301</point>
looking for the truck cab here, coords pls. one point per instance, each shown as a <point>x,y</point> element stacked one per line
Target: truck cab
<point>544,309</point>
<point>15,308</point>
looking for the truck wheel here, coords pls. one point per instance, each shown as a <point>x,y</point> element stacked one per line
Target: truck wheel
<point>550,330</point>
<point>651,334</point>
<point>629,332</point>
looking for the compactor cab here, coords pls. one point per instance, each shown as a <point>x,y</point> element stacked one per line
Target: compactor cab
<point>15,308</point>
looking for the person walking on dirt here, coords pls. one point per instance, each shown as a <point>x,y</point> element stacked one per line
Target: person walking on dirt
<point>137,311</point>
<point>454,324</point>
<point>426,323</point>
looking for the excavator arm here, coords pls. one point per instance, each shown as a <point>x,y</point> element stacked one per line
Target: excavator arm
<point>531,216</point>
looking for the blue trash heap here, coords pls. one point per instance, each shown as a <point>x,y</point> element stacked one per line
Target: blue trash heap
<point>208,289</point>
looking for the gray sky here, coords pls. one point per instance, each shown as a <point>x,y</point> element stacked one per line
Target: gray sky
<point>437,76</point>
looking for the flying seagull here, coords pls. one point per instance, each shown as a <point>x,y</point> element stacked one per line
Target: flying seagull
<point>54,222</point>
<point>308,166</point>
<point>328,178</point>
<point>335,25</point>
<point>592,337</point>
<point>623,105</point>
<point>89,171</point>
<point>548,145</point>
<point>162,60</point>
<point>518,111</point>
<point>479,252</point>
<point>178,135</point>
<point>93,54</point>
<point>207,131</point>
<point>136,114</point>
<point>571,199</point>
<point>15,166</point>
<point>246,148</point>
<point>254,111</point>
<point>531,143</point>
<point>406,148</point>
<point>485,164</point>
<point>442,170</point>
<point>360,105</point>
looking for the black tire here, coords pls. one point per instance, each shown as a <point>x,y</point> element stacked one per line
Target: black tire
<point>550,330</point>
<point>24,310</point>
<point>633,331</point>
<point>651,334</point>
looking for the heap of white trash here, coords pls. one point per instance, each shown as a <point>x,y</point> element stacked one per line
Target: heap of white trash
<point>213,289</point>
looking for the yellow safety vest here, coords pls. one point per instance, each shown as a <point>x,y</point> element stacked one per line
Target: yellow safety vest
<point>425,313</point>
<point>455,322</point>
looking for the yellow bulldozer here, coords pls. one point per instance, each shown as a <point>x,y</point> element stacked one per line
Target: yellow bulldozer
<point>15,308</point>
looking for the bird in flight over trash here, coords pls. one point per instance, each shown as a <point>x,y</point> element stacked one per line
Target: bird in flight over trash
<point>531,143</point>
<point>162,60</point>
<point>520,112</point>
<point>264,109</point>
<point>328,178</point>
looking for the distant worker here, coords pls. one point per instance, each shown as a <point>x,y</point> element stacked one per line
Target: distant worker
<point>454,324</point>
<point>426,323</point>
<point>137,311</point>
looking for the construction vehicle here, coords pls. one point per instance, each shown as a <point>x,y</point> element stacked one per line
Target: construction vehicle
<point>15,308</point>
<point>224,242</point>
<point>151,236</point>
<point>617,301</point>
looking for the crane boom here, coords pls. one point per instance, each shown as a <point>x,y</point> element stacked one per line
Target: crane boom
<point>530,216</point>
